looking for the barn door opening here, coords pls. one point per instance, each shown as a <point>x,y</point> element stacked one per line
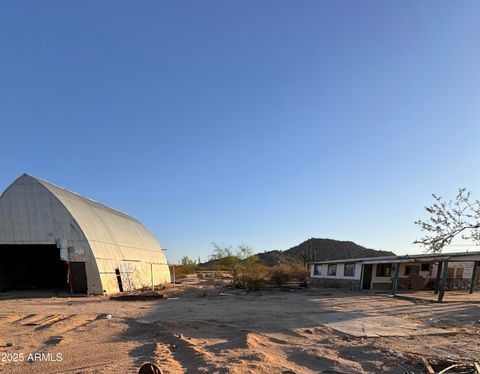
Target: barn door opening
<point>78,277</point>
<point>119,280</point>
<point>32,266</point>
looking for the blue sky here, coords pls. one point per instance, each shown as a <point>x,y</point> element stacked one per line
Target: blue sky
<point>263,123</point>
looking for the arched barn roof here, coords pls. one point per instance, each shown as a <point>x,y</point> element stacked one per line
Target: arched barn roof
<point>108,229</point>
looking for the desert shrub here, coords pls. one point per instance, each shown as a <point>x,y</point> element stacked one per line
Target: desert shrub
<point>181,271</point>
<point>285,273</point>
<point>250,274</point>
<point>281,274</point>
<point>187,266</point>
<point>300,273</point>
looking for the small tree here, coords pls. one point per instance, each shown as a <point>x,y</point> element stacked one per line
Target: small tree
<point>187,266</point>
<point>187,261</point>
<point>244,251</point>
<point>456,218</point>
<point>220,251</point>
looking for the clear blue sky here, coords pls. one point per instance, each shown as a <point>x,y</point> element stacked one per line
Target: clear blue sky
<point>263,123</point>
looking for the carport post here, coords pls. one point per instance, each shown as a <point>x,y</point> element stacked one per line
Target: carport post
<point>439,274</point>
<point>395,279</point>
<point>474,275</point>
<point>441,291</point>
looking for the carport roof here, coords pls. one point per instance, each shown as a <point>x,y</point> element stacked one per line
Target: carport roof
<point>459,256</point>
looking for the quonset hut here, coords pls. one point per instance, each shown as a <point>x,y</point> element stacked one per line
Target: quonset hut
<point>53,238</point>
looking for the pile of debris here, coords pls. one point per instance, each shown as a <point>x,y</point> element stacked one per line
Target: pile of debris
<point>448,366</point>
<point>137,296</point>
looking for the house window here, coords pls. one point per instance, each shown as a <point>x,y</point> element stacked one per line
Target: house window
<point>349,270</point>
<point>317,270</point>
<point>332,269</point>
<point>425,267</point>
<point>451,273</point>
<point>412,270</point>
<point>384,270</point>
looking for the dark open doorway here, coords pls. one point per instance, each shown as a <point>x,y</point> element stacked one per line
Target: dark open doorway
<point>119,280</point>
<point>27,267</point>
<point>367,277</point>
<point>78,277</point>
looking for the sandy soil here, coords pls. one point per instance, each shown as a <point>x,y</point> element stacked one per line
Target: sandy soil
<point>204,331</point>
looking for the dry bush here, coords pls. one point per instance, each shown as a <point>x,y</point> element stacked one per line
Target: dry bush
<point>300,273</point>
<point>286,273</point>
<point>251,274</point>
<point>181,271</point>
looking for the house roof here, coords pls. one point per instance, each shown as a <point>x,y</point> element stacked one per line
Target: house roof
<point>431,257</point>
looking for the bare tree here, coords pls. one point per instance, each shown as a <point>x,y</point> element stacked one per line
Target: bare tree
<point>459,217</point>
<point>244,251</point>
<point>220,251</point>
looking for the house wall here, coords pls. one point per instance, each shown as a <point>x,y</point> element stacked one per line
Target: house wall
<point>429,277</point>
<point>424,279</point>
<point>457,283</point>
<point>405,281</point>
<point>467,268</point>
<point>381,283</point>
<point>336,281</point>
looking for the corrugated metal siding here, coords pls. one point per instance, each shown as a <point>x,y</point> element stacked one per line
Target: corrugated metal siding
<point>35,211</point>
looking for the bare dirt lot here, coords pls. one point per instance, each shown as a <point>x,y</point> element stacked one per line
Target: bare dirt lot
<point>212,329</point>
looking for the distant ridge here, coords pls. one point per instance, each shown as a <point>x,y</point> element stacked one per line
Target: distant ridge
<point>315,249</point>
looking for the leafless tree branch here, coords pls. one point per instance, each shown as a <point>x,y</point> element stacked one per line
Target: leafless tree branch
<point>448,220</point>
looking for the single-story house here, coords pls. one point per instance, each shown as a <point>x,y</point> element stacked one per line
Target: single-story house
<point>444,271</point>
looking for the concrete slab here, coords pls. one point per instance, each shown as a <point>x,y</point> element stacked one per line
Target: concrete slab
<point>370,326</point>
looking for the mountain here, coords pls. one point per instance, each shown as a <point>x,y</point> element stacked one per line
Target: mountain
<point>319,250</point>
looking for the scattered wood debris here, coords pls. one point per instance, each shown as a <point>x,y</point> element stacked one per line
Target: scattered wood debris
<point>137,296</point>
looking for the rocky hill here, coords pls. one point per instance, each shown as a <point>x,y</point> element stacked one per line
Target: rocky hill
<point>320,250</point>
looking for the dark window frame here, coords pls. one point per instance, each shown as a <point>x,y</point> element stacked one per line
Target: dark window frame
<point>384,270</point>
<point>425,267</point>
<point>409,273</point>
<point>332,270</point>
<point>351,270</point>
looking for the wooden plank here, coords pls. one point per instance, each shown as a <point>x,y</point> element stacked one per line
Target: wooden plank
<point>24,318</point>
<point>427,366</point>
<point>45,321</point>
<point>51,320</point>
<point>477,367</point>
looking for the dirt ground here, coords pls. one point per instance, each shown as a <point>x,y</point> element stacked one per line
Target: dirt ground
<point>204,327</point>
